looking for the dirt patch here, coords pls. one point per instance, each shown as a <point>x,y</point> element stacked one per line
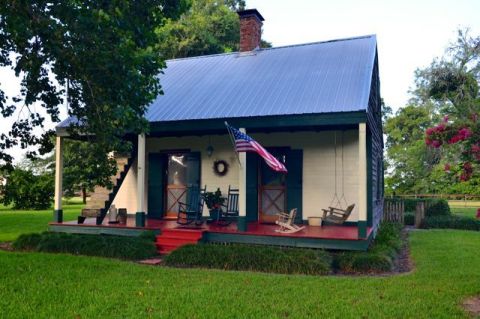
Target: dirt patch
<point>403,263</point>
<point>472,306</point>
<point>6,246</point>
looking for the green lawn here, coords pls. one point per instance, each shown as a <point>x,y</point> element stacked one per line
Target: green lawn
<point>48,285</point>
<point>16,222</point>
<point>467,212</point>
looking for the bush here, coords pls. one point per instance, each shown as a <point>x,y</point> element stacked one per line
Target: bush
<point>380,256</point>
<point>452,222</point>
<point>130,248</point>
<point>437,207</point>
<point>251,258</point>
<point>355,262</point>
<point>27,190</point>
<point>409,218</point>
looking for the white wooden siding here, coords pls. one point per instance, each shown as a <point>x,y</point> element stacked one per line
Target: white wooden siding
<point>318,166</point>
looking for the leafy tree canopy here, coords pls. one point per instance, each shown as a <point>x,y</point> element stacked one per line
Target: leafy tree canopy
<point>102,52</point>
<point>208,27</point>
<point>443,112</point>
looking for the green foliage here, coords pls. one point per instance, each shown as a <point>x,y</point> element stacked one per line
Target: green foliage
<point>85,167</point>
<point>407,153</point>
<point>363,262</point>
<point>428,159</point>
<point>251,258</point>
<point>61,285</point>
<point>451,222</point>
<point>379,258</point>
<point>25,190</point>
<point>102,52</point>
<point>214,199</point>
<point>130,248</point>
<point>437,207</point>
<point>409,218</point>
<point>208,27</point>
<point>453,81</point>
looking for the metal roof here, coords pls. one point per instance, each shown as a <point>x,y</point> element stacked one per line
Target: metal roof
<point>314,78</point>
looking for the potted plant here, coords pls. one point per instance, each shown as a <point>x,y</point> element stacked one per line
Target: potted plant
<point>214,202</point>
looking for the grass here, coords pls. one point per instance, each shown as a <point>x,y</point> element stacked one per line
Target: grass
<point>13,223</point>
<point>465,212</point>
<point>88,287</point>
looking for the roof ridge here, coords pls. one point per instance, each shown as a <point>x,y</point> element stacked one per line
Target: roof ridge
<point>276,48</point>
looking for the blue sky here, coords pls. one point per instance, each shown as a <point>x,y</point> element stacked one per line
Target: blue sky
<point>410,33</point>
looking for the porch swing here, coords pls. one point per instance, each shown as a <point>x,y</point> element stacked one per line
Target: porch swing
<point>337,213</point>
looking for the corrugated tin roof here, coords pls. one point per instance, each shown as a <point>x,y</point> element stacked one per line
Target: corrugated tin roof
<point>321,77</point>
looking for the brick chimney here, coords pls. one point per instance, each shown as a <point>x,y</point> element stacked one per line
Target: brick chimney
<point>250,29</point>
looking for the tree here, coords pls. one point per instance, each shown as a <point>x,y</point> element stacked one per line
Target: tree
<point>453,81</point>
<point>208,27</point>
<point>27,190</point>
<point>408,158</point>
<point>82,171</point>
<point>101,55</point>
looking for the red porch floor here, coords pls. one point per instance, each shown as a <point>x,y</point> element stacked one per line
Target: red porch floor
<point>253,229</point>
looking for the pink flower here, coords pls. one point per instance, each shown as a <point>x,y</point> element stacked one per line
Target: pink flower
<point>465,132</point>
<point>436,144</point>
<point>429,131</point>
<point>445,118</point>
<point>478,214</point>
<point>447,167</point>
<point>440,127</point>
<point>467,167</point>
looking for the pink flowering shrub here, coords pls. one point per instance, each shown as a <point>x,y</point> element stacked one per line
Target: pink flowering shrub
<point>449,133</point>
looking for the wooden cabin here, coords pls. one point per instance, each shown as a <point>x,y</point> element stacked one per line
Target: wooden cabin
<point>315,106</point>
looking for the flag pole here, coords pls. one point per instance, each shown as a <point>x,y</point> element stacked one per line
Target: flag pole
<point>232,140</point>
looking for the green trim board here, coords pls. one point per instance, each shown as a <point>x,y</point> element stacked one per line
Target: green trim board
<point>242,223</point>
<point>369,179</point>
<point>295,182</point>
<point>260,122</point>
<point>58,215</point>
<point>277,122</point>
<point>140,219</point>
<point>95,230</point>
<point>252,187</point>
<point>156,182</point>
<point>318,243</point>
<point>362,229</point>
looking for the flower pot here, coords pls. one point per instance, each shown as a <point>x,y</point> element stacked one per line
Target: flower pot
<point>315,221</point>
<point>81,219</point>
<point>214,213</point>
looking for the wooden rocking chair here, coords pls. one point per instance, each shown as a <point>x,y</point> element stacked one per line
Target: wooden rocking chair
<point>336,215</point>
<point>229,211</point>
<point>191,211</point>
<point>286,223</point>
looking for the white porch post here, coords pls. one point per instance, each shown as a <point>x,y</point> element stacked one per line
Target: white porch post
<point>362,180</point>
<point>140,215</point>
<point>242,188</point>
<point>58,212</point>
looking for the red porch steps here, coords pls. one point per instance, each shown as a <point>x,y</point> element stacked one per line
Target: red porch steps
<point>171,239</point>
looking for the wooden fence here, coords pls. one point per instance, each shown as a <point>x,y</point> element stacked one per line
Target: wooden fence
<point>394,211</point>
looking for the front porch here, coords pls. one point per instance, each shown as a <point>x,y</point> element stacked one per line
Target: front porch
<point>324,237</point>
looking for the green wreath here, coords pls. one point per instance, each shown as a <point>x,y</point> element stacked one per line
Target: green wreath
<point>220,168</point>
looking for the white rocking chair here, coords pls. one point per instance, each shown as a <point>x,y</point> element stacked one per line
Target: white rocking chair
<point>286,223</point>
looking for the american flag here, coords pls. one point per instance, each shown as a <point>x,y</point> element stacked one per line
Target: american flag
<point>244,143</point>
